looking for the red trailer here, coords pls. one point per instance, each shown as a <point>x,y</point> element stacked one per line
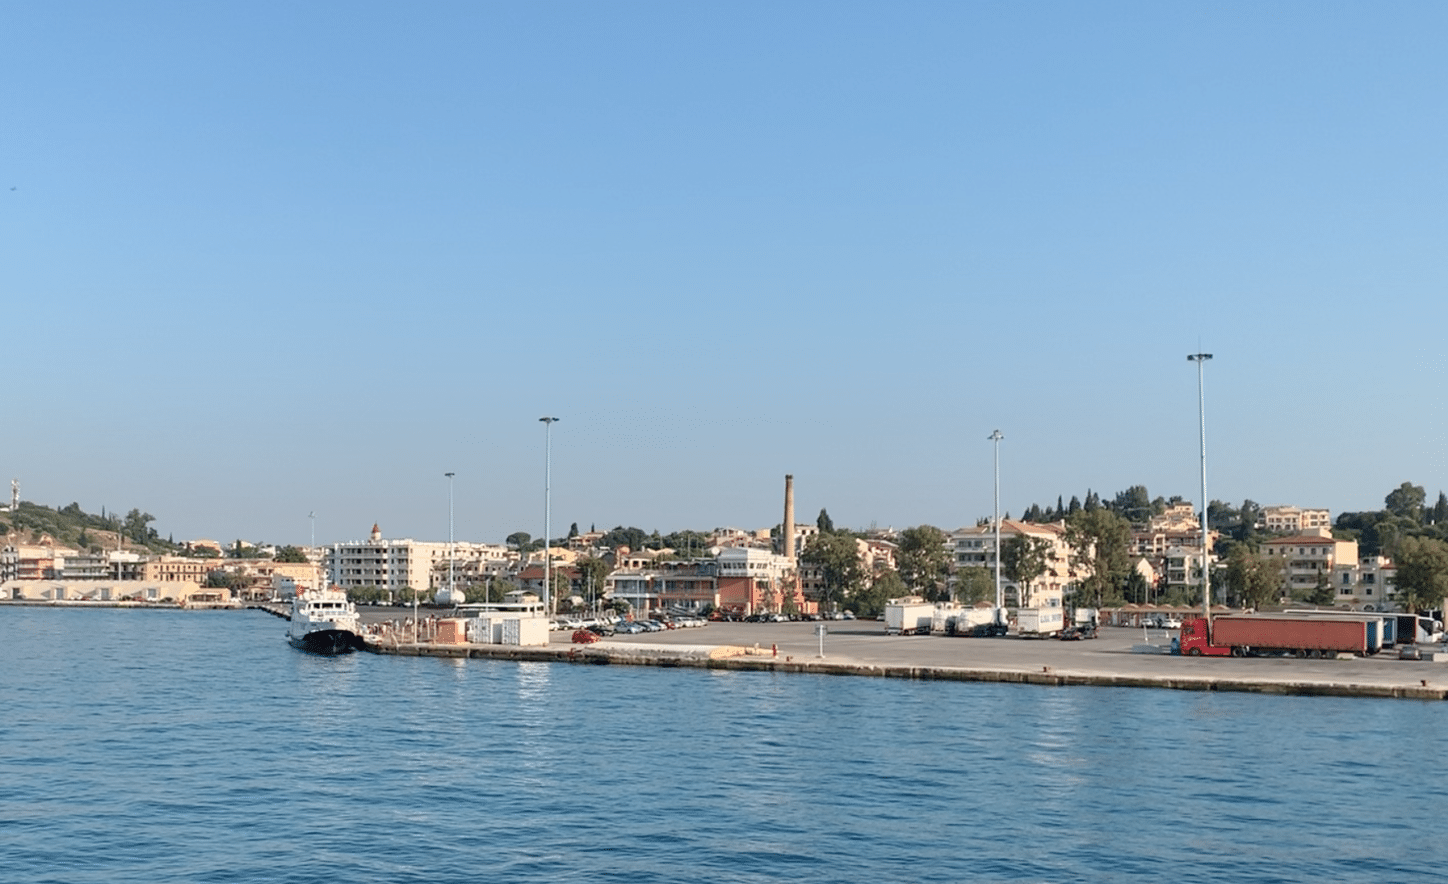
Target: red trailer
<point>1242,635</point>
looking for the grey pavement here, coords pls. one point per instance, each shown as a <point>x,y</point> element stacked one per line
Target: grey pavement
<point>863,643</point>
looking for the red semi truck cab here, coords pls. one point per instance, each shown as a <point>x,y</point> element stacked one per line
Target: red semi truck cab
<point>1196,640</point>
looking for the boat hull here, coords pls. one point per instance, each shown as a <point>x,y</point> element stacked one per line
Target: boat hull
<point>326,642</point>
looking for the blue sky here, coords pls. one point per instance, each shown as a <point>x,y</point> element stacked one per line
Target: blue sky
<point>262,259</point>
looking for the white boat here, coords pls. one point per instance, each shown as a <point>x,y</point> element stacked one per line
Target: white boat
<point>324,622</point>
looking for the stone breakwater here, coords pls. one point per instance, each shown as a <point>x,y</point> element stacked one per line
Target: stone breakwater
<point>1108,666</point>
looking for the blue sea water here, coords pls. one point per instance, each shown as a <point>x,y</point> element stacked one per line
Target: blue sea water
<point>158,746</point>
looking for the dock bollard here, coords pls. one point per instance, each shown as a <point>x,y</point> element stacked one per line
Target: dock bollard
<point>775,649</point>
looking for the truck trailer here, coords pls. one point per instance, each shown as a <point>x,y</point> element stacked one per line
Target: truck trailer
<point>1246,635</point>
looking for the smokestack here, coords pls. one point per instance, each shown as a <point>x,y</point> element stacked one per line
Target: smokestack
<point>789,517</point>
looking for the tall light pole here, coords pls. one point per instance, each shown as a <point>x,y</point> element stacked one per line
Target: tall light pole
<point>996,437</point>
<point>1200,359</point>
<point>317,577</point>
<point>449,534</point>
<point>548,423</point>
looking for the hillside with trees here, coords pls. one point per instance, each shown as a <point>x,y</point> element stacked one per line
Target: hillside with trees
<point>73,527</point>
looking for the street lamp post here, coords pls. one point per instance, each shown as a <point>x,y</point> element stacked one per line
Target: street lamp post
<point>449,534</point>
<point>1200,359</point>
<point>548,423</point>
<point>996,437</point>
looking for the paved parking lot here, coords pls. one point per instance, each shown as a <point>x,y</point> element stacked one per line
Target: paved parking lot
<point>863,643</point>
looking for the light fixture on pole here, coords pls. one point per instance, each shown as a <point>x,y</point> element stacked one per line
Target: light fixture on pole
<point>548,423</point>
<point>996,437</point>
<point>450,536</point>
<point>1200,359</point>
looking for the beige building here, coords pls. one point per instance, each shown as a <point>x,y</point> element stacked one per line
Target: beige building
<point>975,548</point>
<point>1366,583</point>
<point>1311,559</point>
<point>1294,519</point>
<point>1176,518</point>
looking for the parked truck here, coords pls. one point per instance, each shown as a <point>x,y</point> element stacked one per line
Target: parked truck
<point>1083,625</point>
<point>978,622</point>
<point>1039,622</point>
<point>1415,628</point>
<point>1298,635</point>
<point>908,617</point>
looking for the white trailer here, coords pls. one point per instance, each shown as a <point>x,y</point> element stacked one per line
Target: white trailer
<point>908,617</point>
<point>1039,622</point>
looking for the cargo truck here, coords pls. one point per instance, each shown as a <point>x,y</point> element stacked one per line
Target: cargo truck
<point>908,617</point>
<point>1039,622</point>
<point>1244,635</point>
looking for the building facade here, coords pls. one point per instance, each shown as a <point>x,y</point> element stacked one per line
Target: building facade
<point>392,565</point>
<point>1295,520</point>
<point>975,548</point>
<point>1310,560</point>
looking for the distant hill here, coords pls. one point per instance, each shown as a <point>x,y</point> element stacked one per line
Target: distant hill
<point>72,527</point>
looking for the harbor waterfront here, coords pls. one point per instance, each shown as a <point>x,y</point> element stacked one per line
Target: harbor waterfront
<point>860,647</point>
<point>156,746</point>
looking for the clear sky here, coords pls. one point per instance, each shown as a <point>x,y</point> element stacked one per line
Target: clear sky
<point>264,259</point>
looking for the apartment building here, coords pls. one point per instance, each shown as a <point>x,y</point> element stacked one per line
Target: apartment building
<point>1154,543</point>
<point>1368,583</point>
<point>1183,568</point>
<point>392,565</point>
<point>1296,520</point>
<point>1176,518</point>
<point>46,562</point>
<point>1311,559</point>
<point>975,548</point>
<point>682,585</point>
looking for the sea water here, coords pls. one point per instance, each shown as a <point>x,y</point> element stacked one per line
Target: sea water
<point>156,746</point>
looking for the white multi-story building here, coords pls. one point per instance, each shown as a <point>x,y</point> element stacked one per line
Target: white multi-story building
<point>387,564</point>
<point>743,561</point>
<point>397,564</point>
